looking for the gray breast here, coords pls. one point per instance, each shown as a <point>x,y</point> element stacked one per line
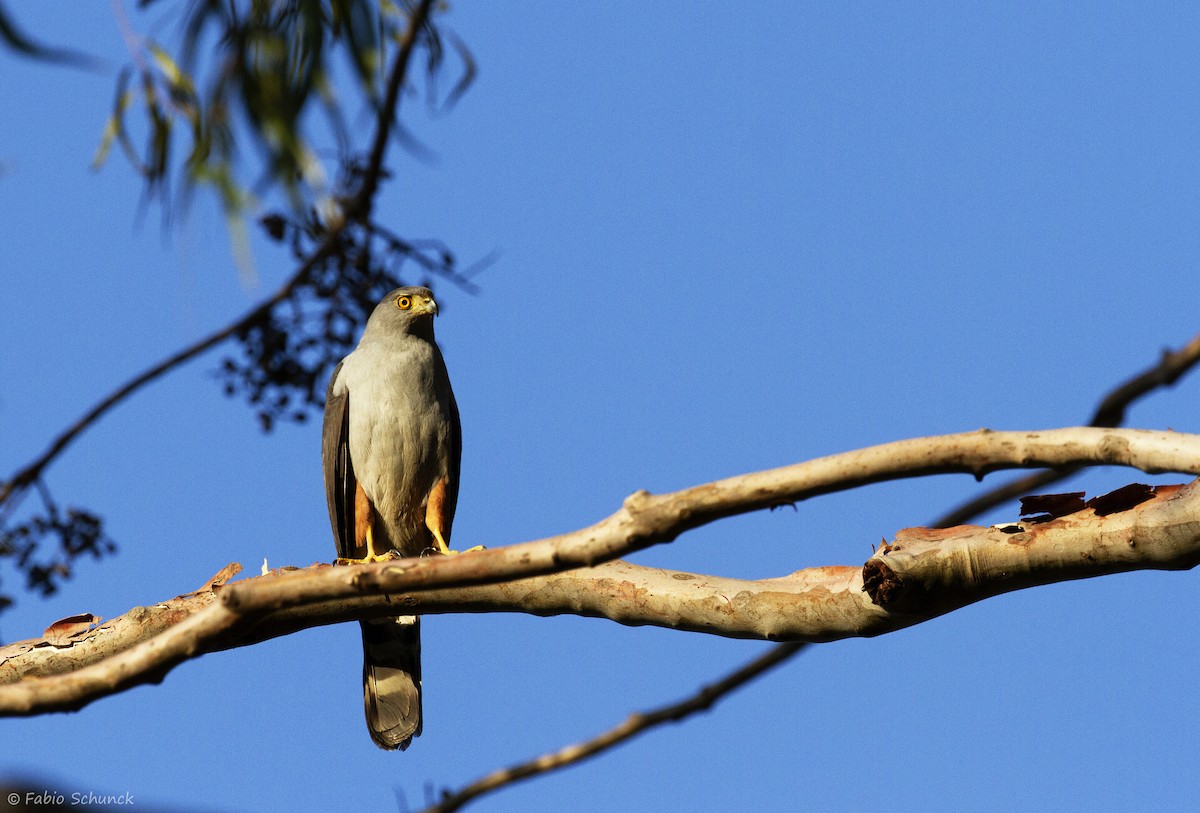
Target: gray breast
<point>400,427</point>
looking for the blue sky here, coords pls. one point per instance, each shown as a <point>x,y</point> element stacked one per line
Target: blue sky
<point>729,239</point>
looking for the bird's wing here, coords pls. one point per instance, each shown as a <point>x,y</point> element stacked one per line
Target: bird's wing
<point>453,465</point>
<point>340,483</point>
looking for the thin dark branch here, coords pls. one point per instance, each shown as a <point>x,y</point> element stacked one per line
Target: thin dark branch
<point>411,249</point>
<point>635,724</point>
<point>1173,365</point>
<point>1006,492</point>
<point>1110,413</point>
<point>386,115</point>
<point>31,471</point>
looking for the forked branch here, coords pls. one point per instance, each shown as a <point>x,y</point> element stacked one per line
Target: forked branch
<point>811,605</point>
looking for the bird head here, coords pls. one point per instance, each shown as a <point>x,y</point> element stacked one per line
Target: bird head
<point>405,310</point>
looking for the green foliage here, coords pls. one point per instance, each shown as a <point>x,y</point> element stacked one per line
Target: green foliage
<point>236,97</point>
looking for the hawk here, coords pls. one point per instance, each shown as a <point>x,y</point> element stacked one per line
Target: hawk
<point>391,445</point>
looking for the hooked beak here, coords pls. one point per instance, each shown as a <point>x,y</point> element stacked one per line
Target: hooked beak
<point>426,305</point>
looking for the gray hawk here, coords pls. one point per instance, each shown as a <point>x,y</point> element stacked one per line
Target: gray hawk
<point>391,445</point>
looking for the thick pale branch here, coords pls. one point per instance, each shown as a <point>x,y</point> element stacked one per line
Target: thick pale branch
<point>921,574</point>
<point>646,519</point>
<point>931,571</point>
<point>804,606</point>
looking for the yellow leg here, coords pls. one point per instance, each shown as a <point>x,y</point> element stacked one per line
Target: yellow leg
<point>371,556</point>
<point>435,508</point>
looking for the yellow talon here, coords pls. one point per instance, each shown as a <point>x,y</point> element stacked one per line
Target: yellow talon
<point>449,552</point>
<point>444,549</point>
<point>367,560</point>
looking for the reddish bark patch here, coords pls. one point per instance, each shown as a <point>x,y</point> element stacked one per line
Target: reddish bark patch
<point>61,631</point>
<point>1054,505</point>
<point>928,534</point>
<point>1169,490</point>
<point>1122,499</point>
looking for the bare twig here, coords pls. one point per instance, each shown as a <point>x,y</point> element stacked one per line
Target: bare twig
<point>647,519</point>
<point>411,249</point>
<point>633,725</point>
<point>1110,413</point>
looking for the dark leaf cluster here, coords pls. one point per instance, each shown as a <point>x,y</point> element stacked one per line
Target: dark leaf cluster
<point>45,544</point>
<point>285,354</point>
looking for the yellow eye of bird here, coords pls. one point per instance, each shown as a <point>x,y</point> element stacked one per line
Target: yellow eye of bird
<point>404,302</point>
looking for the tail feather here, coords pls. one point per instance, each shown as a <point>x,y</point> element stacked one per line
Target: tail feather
<point>392,680</point>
